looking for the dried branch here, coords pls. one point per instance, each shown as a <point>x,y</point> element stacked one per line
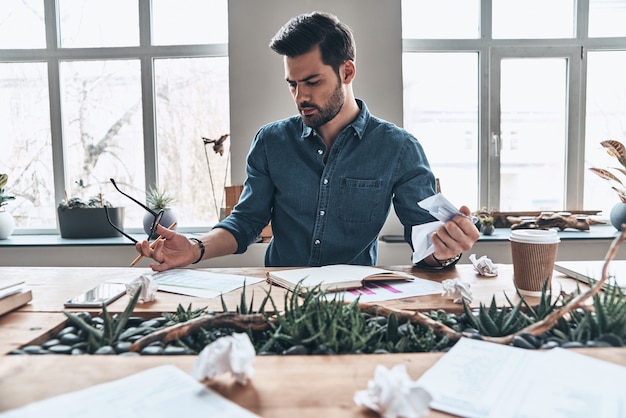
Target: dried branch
<point>414,317</point>
<point>256,322</point>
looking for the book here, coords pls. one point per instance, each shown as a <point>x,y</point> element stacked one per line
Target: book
<point>591,271</point>
<point>9,288</point>
<point>333,277</point>
<point>15,300</point>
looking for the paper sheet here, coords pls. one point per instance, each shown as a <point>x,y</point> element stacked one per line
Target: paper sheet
<point>376,291</point>
<point>478,379</point>
<point>164,391</point>
<point>199,283</point>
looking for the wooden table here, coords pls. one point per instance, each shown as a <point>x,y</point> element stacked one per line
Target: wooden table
<point>283,386</point>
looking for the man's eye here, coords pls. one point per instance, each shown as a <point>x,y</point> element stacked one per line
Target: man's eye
<point>312,83</point>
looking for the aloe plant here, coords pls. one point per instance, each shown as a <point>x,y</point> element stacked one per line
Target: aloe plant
<point>112,329</point>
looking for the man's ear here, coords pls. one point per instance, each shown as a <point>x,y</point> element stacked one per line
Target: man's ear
<point>349,71</point>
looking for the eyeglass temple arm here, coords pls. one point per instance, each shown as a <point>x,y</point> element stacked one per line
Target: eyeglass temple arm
<point>116,228</point>
<point>153,213</point>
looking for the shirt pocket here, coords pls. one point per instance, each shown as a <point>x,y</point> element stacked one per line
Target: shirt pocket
<point>359,200</point>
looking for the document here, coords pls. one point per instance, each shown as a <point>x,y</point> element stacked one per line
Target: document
<point>477,379</point>
<point>204,284</point>
<point>377,291</point>
<point>160,392</point>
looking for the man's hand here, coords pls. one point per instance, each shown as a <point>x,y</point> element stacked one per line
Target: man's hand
<point>174,250</point>
<point>455,236</point>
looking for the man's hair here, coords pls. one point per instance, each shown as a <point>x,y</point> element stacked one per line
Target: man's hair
<point>303,32</point>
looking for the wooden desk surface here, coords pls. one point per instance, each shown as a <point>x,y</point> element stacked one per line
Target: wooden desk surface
<point>283,386</point>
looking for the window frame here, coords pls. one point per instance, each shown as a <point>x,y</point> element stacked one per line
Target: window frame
<point>145,52</point>
<point>489,50</point>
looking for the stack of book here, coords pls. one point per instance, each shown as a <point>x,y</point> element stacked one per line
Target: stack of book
<point>13,294</point>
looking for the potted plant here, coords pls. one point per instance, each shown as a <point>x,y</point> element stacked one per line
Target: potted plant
<point>80,218</point>
<point>7,223</point>
<point>615,149</point>
<point>159,200</point>
<point>486,221</point>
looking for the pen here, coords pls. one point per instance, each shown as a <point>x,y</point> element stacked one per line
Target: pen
<point>159,238</point>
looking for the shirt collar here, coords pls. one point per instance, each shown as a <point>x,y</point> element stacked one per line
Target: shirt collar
<point>358,124</point>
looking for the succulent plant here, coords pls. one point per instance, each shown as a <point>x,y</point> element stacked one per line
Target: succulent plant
<point>4,198</point>
<point>158,198</point>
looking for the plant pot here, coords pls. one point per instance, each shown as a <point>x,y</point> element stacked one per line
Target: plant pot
<point>7,224</point>
<point>487,229</point>
<point>618,215</point>
<point>169,217</point>
<point>89,222</point>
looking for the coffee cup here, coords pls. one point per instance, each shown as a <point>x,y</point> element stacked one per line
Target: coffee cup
<point>533,252</point>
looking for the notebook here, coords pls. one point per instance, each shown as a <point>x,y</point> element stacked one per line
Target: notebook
<point>589,271</point>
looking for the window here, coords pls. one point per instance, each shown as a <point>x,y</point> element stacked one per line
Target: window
<point>128,92</point>
<point>523,118</point>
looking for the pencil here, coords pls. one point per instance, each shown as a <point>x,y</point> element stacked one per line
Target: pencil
<point>159,238</point>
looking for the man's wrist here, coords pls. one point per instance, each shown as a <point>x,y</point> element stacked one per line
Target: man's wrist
<point>447,262</point>
<point>202,249</point>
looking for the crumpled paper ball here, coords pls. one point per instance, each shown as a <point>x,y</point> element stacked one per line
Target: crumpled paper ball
<point>484,266</point>
<point>457,290</point>
<point>233,353</point>
<point>149,288</point>
<point>393,394</point>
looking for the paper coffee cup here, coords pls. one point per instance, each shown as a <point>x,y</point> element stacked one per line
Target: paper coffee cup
<point>533,252</point>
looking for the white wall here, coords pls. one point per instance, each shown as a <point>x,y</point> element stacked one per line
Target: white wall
<point>259,92</point>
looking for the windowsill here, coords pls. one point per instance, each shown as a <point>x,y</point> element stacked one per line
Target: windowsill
<point>596,232</point>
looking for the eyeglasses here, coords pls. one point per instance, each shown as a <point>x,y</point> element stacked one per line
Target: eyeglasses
<point>156,215</point>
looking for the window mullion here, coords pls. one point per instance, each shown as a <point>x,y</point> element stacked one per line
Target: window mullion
<point>147,94</point>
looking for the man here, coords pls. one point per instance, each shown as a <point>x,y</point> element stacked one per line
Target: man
<point>326,177</point>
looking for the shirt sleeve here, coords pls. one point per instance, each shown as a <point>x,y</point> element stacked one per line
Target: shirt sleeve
<point>253,211</point>
<point>416,182</point>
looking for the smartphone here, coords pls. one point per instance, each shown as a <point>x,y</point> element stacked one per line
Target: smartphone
<point>101,295</point>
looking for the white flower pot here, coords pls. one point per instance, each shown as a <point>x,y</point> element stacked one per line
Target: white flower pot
<point>7,224</point>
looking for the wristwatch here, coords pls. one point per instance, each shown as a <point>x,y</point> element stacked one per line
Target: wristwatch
<point>447,262</point>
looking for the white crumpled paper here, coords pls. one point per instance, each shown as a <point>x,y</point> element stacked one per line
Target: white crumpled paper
<point>393,394</point>
<point>233,353</point>
<point>457,290</point>
<point>149,288</point>
<point>441,208</point>
<point>484,266</point>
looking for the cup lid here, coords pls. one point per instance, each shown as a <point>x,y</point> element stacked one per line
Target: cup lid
<point>535,236</point>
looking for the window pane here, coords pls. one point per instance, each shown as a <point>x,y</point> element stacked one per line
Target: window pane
<point>532,19</point>
<point>607,17</point>
<point>99,23</point>
<point>606,119</point>
<point>25,144</point>
<point>441,110</point>
<point>533,134</point>
<point>102,131</point>
<point>189,22</point>
<point>432,19</point>
<point>22,24</point>
<point>192,103</point>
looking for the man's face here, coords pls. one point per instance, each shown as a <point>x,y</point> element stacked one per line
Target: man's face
<point>315,87</point>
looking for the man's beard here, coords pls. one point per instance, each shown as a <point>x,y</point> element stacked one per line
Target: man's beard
<point>328,113</point>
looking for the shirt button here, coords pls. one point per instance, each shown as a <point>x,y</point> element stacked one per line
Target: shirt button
<point>322,212</point>
<point>317,242</point>
<point>320,152</point>
<point>325,181</point>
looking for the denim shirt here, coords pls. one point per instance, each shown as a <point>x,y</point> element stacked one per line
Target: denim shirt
<point>329,212</point>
